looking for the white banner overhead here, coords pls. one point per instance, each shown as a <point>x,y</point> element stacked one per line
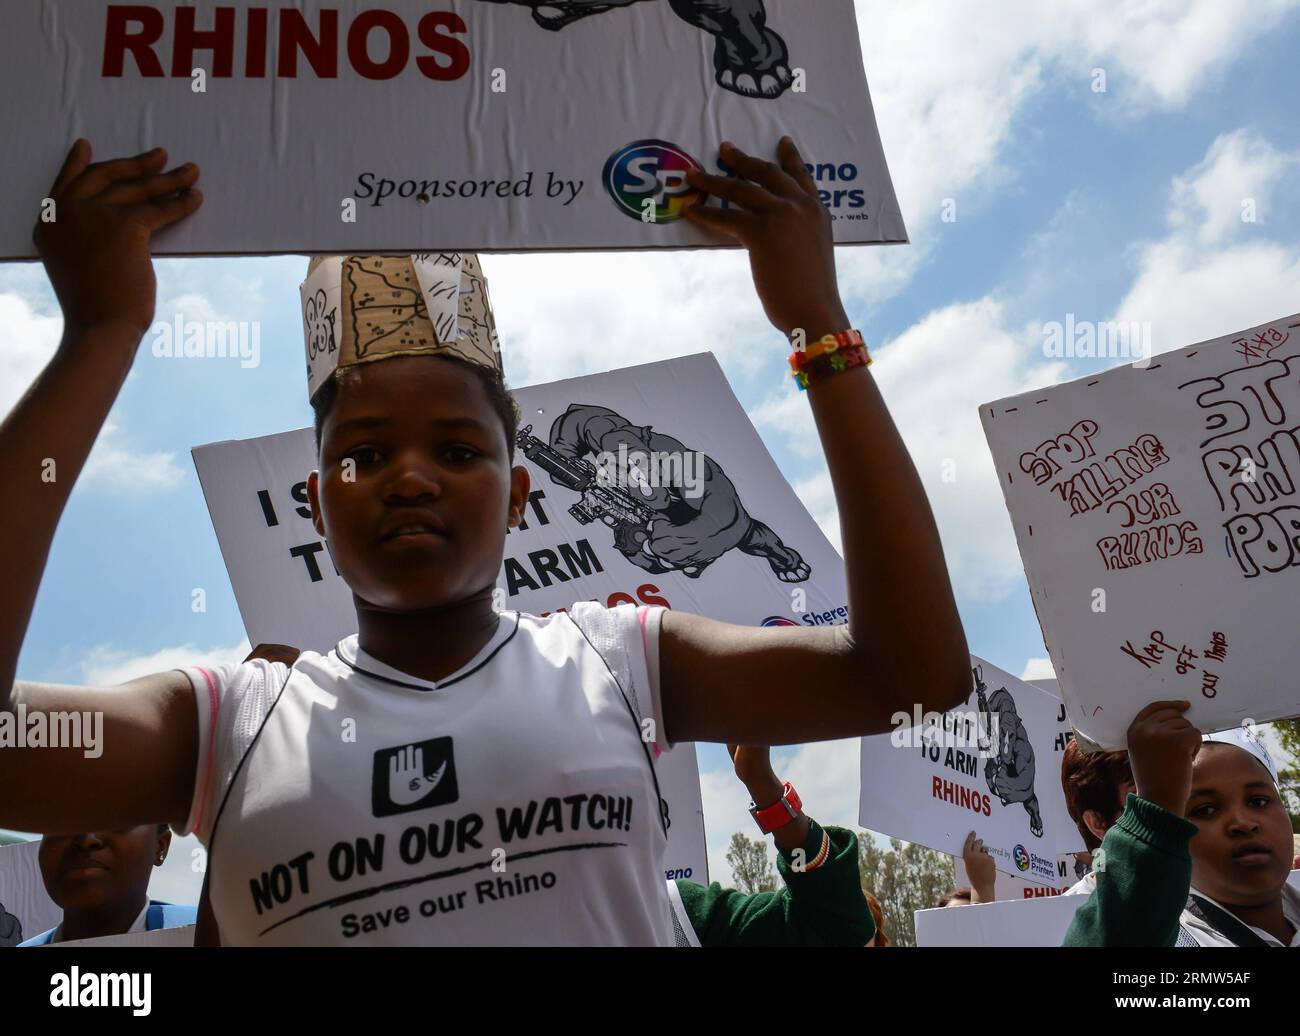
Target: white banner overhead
<point>1157,509</point>
<point>431,125</point>
<point>584,538</point>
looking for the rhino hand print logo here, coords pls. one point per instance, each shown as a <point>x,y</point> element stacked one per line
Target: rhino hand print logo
<point>413,776</point>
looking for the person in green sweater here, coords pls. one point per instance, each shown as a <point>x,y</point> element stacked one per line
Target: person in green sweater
<point>821,904</point>
<point>1201,854</point>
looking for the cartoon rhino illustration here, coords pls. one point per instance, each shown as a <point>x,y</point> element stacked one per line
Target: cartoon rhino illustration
<point>1010,773</point>
<point>748,58</point>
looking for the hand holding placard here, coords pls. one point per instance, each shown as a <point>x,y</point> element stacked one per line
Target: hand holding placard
<point>95,239</point>
<point>1161,746</point>
<point>783,223</point>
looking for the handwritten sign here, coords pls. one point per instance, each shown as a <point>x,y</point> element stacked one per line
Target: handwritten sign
<point>1157,511</point>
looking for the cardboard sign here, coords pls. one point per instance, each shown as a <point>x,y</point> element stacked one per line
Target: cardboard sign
<point>22,892</point>
<point>1157,511</point>
<point>1041,922</point>
<point>355,126</point>
<point>1011,886</point>
<point>988,766</point>
<point>159,937</point>
<point>1070,842</point>
<point>585,533</point>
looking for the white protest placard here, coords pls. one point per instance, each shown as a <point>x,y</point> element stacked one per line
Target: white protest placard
<point>1070,842</point>
<point>412,126</point>
<point>159,937</point>
<point>581,539</point>
<point>1041,922</point>
<point>22,890</point>
<point>1011,886</point>
<point>987,766</point>
<point>1157,511</point>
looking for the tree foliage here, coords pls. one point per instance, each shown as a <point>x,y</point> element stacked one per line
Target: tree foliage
<point>905,878</point>
<point>751,871</point>
<point>1288,733</point>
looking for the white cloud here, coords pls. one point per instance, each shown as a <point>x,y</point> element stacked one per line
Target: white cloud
<point>934,377</point>
<point>726,810</point>
<point>597,312</point>
<point>116,467</point>
<point>1212,274</point>
<point>30,340</point>
<point>825,774</point>
<point>1038,669</point>
<point>950,77</point>
<point>1212,200</point>
<point>105,666</point>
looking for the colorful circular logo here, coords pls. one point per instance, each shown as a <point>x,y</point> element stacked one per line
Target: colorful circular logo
<point>649,176</point>
<point>778,620</point>
<point>1021,856</point>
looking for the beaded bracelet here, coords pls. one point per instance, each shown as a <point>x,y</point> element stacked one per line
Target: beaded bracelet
<point>825,345</point>
<point>829,365</point>
<point>822,855</point>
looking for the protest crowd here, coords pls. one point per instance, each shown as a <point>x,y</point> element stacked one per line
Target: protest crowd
<point>458,773</point>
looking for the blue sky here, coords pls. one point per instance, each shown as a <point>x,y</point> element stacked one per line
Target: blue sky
<point>1117,205</point>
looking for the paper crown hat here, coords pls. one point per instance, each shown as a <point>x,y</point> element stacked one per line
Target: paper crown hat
<point>361,308</point>
<point>1246,739</point>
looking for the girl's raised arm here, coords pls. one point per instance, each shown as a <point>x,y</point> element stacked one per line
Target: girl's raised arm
<point>904,644</point>
<point>94,240</point>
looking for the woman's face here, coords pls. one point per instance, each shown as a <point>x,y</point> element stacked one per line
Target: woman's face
<point>415,489</point>
<point>1241,853</point>
<point>84,872</point>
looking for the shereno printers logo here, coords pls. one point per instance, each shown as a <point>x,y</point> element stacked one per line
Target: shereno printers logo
<point>411,777</point>
<point>1021,856</point>
<point>778,620</point>
<point>651,169</point>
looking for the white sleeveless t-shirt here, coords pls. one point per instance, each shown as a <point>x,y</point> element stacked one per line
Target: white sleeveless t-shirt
<point>515,802</point>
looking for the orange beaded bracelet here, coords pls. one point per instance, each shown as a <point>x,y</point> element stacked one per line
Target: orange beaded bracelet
<point>827,356</point>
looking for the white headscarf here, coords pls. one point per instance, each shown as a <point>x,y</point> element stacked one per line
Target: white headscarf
<point>1244,737</point>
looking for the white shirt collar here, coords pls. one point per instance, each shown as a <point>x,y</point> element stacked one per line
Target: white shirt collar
<point>136,926</point>
<point>1290,910</point>
<point>351,653</point>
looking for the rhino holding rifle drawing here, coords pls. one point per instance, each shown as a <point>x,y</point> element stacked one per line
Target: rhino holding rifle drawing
<point>1010,771</point>
<point>659,525</point>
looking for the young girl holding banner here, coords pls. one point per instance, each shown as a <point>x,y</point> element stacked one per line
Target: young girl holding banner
<point>455,774</point>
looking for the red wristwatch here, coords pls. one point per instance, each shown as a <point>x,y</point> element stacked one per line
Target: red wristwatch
<point>780,813</point>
